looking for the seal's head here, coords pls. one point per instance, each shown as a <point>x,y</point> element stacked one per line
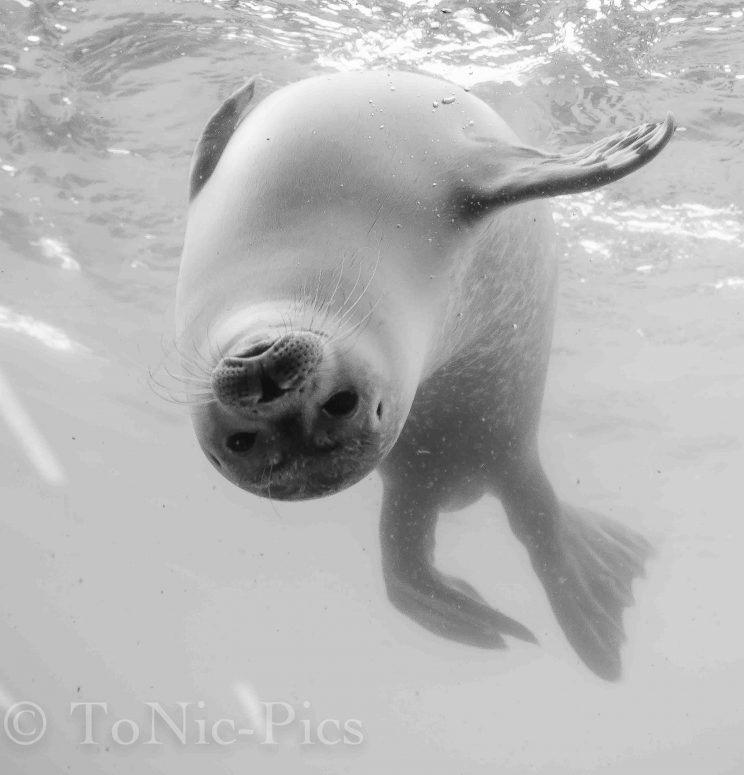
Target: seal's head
<point>299,304</point>
<point>296,413</point>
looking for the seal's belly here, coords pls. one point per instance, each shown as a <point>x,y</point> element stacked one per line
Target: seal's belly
<point>488,388</point>
<point>502,291</point>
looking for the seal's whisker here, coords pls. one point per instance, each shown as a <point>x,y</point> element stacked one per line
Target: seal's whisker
<point>197,384</point>
<point>341,334</point>
<point>316,305</point>
<point>177,387</point>
<point>193,362</point>
<point>196,358</point>
<point>352,337</point>
<point>192,382</point>
<point>265,484</point>
<point>268,490</point>
<point>189,400</point>
<point>286,325</point>
<point>345,333</point>
<point>338,281</point>
<point>298,296</point>
<point>318,286</point>
<point>213,352</point>
<point>377,215</point>
<point>181,379</point>
<point>192,372</point>
<point>332,286</point>
<point>366,287</point>
<point>186,395</point>
<point>326,307</point>
<point>337,338</point>
<point>341,312</point>
<point>303,294</point>
<point>199,351</point>
<point>158,387</point>
<point>216,351</point>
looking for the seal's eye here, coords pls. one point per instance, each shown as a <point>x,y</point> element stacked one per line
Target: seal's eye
<point>240,442</point>
<point>341,404</point>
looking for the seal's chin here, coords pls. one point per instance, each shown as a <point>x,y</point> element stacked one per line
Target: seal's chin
<point>283,462</point>
<point>306,478</point>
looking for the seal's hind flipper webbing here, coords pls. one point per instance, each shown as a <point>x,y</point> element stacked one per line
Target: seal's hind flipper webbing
<point>526,173</point>
<point>587,564</point>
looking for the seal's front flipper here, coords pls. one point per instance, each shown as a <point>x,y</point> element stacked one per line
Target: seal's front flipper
<point>586,563</point>
<point>520,173</point>
<point>444,605</point>
<point>217,132</point>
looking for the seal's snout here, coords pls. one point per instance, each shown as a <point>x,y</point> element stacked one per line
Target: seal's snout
<point>267,371</point>
<point>294,416</point>
<point>317,440</point>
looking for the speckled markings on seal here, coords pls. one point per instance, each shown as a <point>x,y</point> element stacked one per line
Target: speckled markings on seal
<point>368,281</point>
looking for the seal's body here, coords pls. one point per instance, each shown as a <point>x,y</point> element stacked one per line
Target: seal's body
<point>360,293</point>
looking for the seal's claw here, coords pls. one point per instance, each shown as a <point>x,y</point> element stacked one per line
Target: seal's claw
<point>444,605</point>
<point>623,151</point>
<point>524,173</point>
<point>446,609</point>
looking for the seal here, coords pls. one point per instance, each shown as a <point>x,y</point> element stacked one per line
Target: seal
<point>368,280</point>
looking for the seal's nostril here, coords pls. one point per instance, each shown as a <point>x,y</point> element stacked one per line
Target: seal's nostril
<point>379,411</point>
<point>255,350</point>
<point>269,389</point>
<point>215,460</point>
<point>341,404</point>
<point>240,442</point>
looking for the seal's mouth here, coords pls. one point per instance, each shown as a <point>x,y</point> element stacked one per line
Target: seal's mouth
<point>307,478</point>
<point>308,452</point>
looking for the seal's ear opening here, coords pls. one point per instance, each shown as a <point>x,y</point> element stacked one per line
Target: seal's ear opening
<point>216,134</point>
<point>527,173</point>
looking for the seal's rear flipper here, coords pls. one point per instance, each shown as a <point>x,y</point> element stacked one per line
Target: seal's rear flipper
<point>522,173</point>
<point>591,585</point>
<point>444,605</point>
<point>586,563</point>
<point>216,134</point>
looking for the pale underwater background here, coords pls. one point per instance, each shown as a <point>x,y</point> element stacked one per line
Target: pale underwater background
<point>130,572</point>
